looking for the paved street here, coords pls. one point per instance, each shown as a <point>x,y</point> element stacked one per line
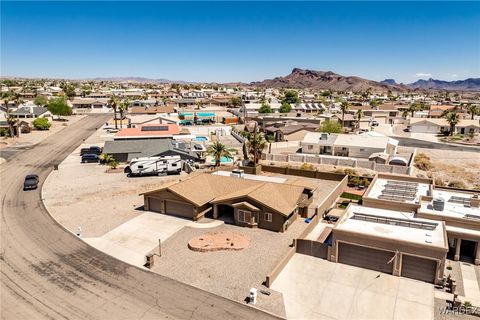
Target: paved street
<point>47,273</point>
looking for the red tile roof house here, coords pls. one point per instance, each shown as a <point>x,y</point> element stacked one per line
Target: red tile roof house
<point>150,131</point>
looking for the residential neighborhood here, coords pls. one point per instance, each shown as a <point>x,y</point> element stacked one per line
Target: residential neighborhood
<point>218,195</point>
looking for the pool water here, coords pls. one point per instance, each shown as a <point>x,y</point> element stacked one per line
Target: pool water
<point>205,114</point>
<point>223,160</point>
<point>203,139</point>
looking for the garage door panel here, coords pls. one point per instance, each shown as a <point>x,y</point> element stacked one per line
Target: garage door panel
<point>155,205</point>
<point>364,257</point>
<point>419,268</point>
<point>179,209</point>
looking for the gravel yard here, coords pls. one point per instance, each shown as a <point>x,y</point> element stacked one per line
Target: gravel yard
<point>229,273</point>
<point>86,195</point>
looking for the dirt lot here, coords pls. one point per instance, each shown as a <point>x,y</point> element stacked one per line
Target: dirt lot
<point>86,195</point>
<point>36,136</point>
<point>454,166</point>
<point>229,273</point>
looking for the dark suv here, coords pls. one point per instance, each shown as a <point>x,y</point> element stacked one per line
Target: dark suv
<point>31,182</point>
<point>90,158</point>
<point>92,150</point>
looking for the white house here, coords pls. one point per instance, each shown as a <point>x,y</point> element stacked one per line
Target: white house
<point>348,145</point>
<point>82,105</point>
<point>437,125</point>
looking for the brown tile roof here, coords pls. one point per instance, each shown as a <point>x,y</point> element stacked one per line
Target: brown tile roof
<point>151,110</point>
<point>205,188</point>
<point>138,132</point>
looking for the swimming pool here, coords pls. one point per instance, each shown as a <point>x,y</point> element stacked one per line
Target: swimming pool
<point>223,160</point>
<point>201,138</point>
<point>206,114</point>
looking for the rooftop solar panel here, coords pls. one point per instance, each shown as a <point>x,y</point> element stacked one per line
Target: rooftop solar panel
<point>155,128</point>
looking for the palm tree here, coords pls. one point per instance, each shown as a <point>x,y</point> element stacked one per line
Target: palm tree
<point>123,108</point>
<point>114,102</point>
<point>7,97</point>
<point>472,109</point>
<point>255,142</point>
<point>453,119</point>
<point>344,106</point>
<point>359,115</point>
<point>218,150</point>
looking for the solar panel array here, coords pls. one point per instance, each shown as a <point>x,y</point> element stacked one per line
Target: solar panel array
<point>402,191</point>
<point>395,221</point>
<point>460,200</point>
<point>155,128</point>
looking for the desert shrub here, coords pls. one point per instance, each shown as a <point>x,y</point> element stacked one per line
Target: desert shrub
<point>350,172</point>
<point>41,124</point>
<point>4,132</point>
<point>25,129</point>
<point>113,164</point>
<point>439,182</point>
<point>422,162</point>
<point>457,184</point>
<point>307,166</point>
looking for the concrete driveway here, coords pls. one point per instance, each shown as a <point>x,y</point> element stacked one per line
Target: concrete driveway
<point>132,240</point>
<point>318,289</point>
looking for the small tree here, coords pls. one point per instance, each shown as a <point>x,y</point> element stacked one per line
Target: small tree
<point>453,119</point>
<point>472,109</point>
<point>291,96</point>
<point>114,102</point>
<point>265,108</point>
<point>41,101</point>
<point>218,150</point>
<point>235,101</point>
<point>113,164</point>
<point>359,115</point>
<point>344,106</point>
<point>41,124</point>
<point>58,106</point>
<point>285,107</point>
<point>331,127</point>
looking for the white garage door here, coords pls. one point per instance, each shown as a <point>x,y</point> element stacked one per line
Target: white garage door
<point>424,129</point>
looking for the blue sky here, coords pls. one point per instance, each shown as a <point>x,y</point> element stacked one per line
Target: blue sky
<point>240,41</point>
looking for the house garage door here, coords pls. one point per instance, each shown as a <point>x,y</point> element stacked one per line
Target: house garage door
<point>418,268</point>
<point>155,205</point>
<point>364,257</point>
<point>179,209</point>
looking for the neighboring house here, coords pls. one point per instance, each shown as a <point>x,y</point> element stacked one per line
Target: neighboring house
<point>384,113</point>
<point>151,109</point>
<point>457,209</point>
<point>126,150</point>
<point>434,125</point>
<point>290,132</point>
<point>348,145</point>
<point>244,202</point>
<point>31,111</point>
<point>149,131</point>
<point>390,241</point>
<point>436,111</point>
<point>81,105</point>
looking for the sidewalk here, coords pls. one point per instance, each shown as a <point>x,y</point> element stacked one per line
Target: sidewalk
<point>470,284</point>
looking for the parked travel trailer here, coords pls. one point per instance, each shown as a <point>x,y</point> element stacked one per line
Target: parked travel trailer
<point>154,165</point>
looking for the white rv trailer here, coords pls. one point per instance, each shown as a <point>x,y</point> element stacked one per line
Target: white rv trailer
<point>154,165</point>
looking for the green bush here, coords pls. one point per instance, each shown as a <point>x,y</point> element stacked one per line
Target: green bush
<point>4,132</point>
<point>457,184</point>
<point>331,127</point>
<point>41,124</point>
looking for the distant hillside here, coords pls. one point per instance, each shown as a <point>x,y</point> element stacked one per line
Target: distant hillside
<point>326,80</point>
<point>136,79</point>
<point>391,82</point>
<point>470,84</point>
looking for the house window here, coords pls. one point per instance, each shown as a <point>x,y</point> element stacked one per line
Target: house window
<point>267,216</point>
<point>362,150</point>
<point>244,216</point>
<point>310,147</point>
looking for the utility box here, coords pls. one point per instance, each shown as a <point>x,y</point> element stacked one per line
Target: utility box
<point>253,296</point>
<point>149,261</point>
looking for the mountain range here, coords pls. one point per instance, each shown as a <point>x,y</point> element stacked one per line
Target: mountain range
<point>328,80</point>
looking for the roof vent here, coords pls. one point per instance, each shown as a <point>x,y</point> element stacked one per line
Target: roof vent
<point>324,136</point>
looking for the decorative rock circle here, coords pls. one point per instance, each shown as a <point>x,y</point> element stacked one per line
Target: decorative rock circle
<point>216,241</point>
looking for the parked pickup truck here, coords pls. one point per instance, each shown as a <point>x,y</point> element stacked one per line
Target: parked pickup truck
<point>92,150</point>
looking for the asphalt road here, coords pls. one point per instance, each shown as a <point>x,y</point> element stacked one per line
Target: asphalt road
<point>416,143</point>
<point>48,273</point>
